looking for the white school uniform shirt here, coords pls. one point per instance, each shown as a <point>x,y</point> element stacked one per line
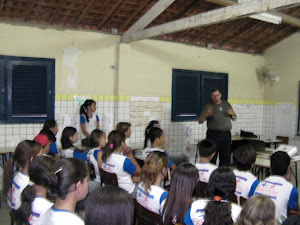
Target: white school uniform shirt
<point>20,181</point>
<point>123,168</point>
<point>196,213</point>
<point>55,216</point>
<point>205,170</point>
<point>282,192</point>
<point>73,153</point>
<point>152,201</point>
<point>148,150</point>
<point>89,126</point>
<point>92,159</point>
<point>246,183</point>
<point>38,207</point>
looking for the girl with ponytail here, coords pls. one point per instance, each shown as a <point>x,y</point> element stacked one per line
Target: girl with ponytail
<point>34,202</point>
<point>88,121</point>
<point>16,171</point>
<point>123,165</point>
<point>70,186</point>
<point>219,210</point>
<point>149,193</point>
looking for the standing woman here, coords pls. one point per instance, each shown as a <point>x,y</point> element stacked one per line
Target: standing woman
<point>89,121</point>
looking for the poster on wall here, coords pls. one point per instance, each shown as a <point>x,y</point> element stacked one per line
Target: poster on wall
<point>283,122</point>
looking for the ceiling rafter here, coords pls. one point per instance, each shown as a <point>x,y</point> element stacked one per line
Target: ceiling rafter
<point>57,11</point>
<point>209,18</point>
<point>29,10</point>
<point>134,15</point>
<point>1,6</point>
<point>84,12</point>
<point>285,18</point>
<point>116,5</point>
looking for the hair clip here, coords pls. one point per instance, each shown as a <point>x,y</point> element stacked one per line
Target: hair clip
<point>57,171</point>
<point>111,145</point>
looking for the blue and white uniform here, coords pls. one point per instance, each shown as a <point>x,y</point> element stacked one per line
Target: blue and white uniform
<point>148,150</point>
<point>123,168</point>
<point>246,183</point>
<point>55,216</point>
<point>13,197</point>
<point>196,213</point>
<point>92,158</point>
<point>73,153</point>
<point>205,170</point>
<point>89,126</point>
<point>282,192</point>
<point>152,201</point>
<point>38,207</point>
<point>53,149</point>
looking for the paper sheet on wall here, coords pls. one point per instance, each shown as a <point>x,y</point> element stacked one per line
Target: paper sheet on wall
<point>283,122</point>
<point>108,122</point>
<point>79,100</point>
<point>66,120</point>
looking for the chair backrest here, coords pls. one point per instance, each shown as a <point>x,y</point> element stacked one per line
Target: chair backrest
<point>285,140</point>
<point>201,190</point>
<point>108,179</point>
<point>146,217</point>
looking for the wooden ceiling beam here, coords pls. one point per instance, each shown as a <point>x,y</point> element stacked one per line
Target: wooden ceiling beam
<point>209,18</point>
<point>285,18</point>
<point>29,10</point>
<point>109,13</point>
<point>134,15</point>
<point>1,6</point>
<point>57,11</point>
<point>84,12</point>
<point>149,16</point>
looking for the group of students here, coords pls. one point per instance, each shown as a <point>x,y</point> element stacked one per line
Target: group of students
<point>31,175</point>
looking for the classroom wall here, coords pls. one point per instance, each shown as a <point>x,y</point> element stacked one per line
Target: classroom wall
<point>132,82</point>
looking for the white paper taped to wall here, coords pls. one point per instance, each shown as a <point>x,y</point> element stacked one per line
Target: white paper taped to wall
<point>283,122</point>
<point>70,58</point>
<point>108,122</point>
<point>66,120</point>
<point>79,100</point>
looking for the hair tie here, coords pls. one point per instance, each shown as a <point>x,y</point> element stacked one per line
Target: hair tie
<point>217,198</point>
<point>57,171</point>
<point>111,145</point>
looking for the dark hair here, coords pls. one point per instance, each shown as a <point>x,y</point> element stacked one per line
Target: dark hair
<point>280,162</point>
<point>154,133</point>
<point>68,171</point>
<point>206,148</point>
<point>40,173</point>
<point>258,210</point>
<point>153,123</point>
<point>154,164</point>
<point>222,183</point>
<point>244,157</point>
<point>115,139</point>
<point>123,126</point>
<point>25,150</point>
<point>65,137</point>
<point>49,124</point>
<point>214,90</point>
<point>109,205</point>
<point>180,197</point>
<point>83,108</point>
<point>94,138</point>
<point>49,134</point>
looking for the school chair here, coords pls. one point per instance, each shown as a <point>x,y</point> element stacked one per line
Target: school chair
<point>12,217</point>
<point>201,190</point>
<point>108,179</point>
<point>285,140</point>
<point>145,217</point>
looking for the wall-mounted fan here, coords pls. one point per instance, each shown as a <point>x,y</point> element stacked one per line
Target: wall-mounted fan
<point>266,75</point>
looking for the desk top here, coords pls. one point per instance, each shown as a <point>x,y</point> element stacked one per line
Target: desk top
<point>4,150</point>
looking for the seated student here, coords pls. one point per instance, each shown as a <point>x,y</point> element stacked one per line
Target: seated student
<point>45,138</point>
<point>206,149</point>
<point>71,186</point>
<point>153,123</point>
<point>125,128</point>
<point>258,210</point>
<point>34,202</point>
<point>219,210</point>
<point>16,171</point>
<point>244,157</point>
<point>149,193</point>
<point>109,205</point>
<point>68,138</point>
<point>124,166</point>
<point>180,197</point>
<point>277,186</point>
<point>157,139</point>
<point>98,142</point>
<point>52,125</point>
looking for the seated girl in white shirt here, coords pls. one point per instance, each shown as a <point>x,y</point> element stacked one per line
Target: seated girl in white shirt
<point>34,202</point>
<point>72,179</point>
<point>149,193</point>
